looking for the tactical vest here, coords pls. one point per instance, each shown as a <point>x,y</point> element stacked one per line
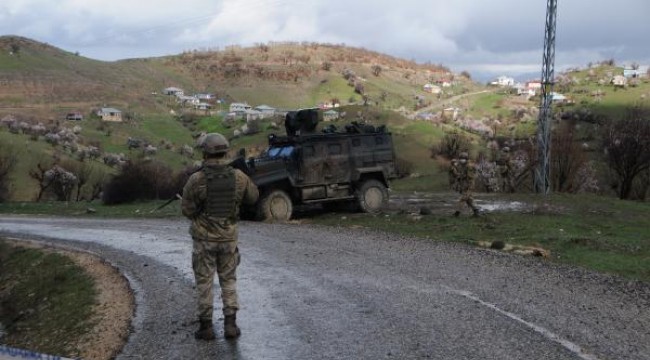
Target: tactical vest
<point>220,182</point>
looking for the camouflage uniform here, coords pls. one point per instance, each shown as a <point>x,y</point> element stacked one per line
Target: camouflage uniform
<point>215,240</point>
<point>464,174</point>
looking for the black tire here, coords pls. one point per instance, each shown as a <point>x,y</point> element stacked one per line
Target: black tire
<point>275,205</point>
<point>372,196</point>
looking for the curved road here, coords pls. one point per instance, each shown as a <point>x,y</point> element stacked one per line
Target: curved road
<point>326,293</point>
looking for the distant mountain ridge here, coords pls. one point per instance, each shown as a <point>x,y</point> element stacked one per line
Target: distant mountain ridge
<point>34,74</point>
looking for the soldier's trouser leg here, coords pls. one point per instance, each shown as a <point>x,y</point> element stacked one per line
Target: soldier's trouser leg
<point>204,265</point>
<point>222,257</point>
<point>468,199</point>
<point>227,262</point>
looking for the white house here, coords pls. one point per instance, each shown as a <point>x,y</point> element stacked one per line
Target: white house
<point>110,114</point>
<point>205,96</point>
<point>173,91</point>
<point>557,97</point>
<point>619,80</point>
<point>266,110</point>
<point>239,107</point>
<point>252,115</point>
<point>433,89</point>
<point>187,100</point>
<point>203,106</point>
<point>503,81</point>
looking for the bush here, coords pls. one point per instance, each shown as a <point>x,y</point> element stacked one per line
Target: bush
<point>451,146</point>
<point>403,167</point>
<point>139,180</point>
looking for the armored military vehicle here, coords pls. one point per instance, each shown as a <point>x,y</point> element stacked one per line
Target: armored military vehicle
<point>351,166</point>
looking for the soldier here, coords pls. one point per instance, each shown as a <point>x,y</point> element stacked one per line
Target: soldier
<point>211,200</point>
<point>506,171</point>
<point>464,173</point>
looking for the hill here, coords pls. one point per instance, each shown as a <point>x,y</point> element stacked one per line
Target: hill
<point>39,84</point>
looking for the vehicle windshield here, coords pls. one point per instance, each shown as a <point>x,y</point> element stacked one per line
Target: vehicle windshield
<point>280,151</point>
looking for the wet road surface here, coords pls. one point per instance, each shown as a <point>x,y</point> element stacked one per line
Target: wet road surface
<point>310,292</point>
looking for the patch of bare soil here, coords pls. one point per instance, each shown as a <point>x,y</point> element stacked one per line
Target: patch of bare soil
<point>114,306</point>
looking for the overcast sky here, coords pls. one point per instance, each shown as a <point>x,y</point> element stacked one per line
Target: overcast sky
<point>485,37</point>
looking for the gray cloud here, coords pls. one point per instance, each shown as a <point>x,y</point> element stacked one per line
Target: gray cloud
<point>491,37</point>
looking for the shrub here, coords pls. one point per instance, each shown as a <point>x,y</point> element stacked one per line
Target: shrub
<point>451,146</point>
<point>403,167</point>
<point>139,180</point>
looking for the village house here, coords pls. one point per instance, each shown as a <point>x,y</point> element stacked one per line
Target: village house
<point>239,107</point>
<point>110,114</point>
<point>74,115</point>
<point>251,115</point>
<point>205,96</point>
<point>433,89</point>
<point>619,81</point>
<point>534,85</point>
<point>503,81</point>
<point>444,82</point>
<point>187,100</point>
<point>173,91</point>
<point>523,90</point>
<point>203,106</point>
<point>265,110</point>
<point>327,105</point>
<point>451,113</point>
<point>558,98</point>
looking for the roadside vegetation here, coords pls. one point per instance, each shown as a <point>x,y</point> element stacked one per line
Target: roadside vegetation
<point>599,233</point>
<point>46,300</point>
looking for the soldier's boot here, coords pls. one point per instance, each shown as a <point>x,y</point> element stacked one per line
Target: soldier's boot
<point>476,212</point>
<point>206,331</point>
<point>456,213</point>
<point>230,329</point>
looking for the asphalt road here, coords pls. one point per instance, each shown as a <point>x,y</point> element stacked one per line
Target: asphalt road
<point>310,292</point>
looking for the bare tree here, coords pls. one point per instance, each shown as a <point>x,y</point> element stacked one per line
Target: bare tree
<point>627,145</point>
<point>567,157</point>
<point>376,70</point>
<point>38,174</point>
<point>8,161</point>
<point>451,145</point>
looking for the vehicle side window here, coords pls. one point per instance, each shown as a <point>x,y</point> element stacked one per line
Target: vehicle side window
<point>356,142</point>
<point>334,149</point>
<point>308,151</point>
<point>379,140</point>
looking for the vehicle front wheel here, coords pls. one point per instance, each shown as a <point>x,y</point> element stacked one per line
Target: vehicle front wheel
<point>275,205</point>
<point>372,196</point>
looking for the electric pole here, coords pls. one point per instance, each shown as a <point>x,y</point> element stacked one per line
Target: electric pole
<point>542,176</point>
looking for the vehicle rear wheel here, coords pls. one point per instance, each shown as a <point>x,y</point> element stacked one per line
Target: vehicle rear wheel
<point>372,196</point>
<point>275,205</point>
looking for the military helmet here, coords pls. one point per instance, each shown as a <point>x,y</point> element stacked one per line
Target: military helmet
<point>505,149</point>
<point>463,155</point>
<point>213,143</point>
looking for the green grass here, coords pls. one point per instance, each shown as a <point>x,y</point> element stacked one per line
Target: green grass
<point>45,301</point>
<point>146,209</point>
<point>598,233</point>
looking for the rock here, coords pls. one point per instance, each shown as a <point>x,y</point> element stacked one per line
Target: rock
<point>90,210</point>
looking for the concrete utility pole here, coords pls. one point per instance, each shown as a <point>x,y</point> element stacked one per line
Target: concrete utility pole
<point>542,176</point>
